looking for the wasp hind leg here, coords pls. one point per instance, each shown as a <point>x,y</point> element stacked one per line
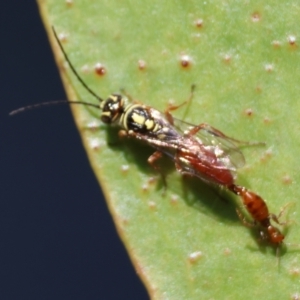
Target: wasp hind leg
<point>151,160</point>
<point>244,221</point>
<point>276,218</point>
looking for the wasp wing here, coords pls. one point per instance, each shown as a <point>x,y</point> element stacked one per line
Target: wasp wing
<point>205,144</point>
<point>226,148</point>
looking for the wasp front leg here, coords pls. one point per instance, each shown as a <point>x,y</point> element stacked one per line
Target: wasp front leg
<point>153,158</point>
<point>122,134</point>
<point>172,107</point>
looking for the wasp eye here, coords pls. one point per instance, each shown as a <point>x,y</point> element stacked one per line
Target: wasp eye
<point>108,106</point>
<point>106,117</point>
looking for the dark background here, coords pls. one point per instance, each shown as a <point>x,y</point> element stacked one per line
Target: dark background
<point>57,239</point>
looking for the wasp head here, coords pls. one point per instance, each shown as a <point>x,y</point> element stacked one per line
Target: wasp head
<point>112,108</point>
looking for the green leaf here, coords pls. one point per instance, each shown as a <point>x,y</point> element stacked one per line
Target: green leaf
<point>187,242</point>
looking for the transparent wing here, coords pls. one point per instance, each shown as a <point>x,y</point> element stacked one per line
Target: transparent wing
<point>226,148</point>
<point>205,144</point>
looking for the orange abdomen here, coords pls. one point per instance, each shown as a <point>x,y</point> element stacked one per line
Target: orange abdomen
<point>255,205</point>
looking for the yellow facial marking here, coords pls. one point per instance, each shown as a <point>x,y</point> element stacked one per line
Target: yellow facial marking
<point>106,113</point>
<point>114,98</point>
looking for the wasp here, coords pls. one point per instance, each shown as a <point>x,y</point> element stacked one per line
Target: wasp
<point>201,151</point>
<point>210,155</point>
<point>214,158</point>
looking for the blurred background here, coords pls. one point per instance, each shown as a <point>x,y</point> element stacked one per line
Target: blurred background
<point>57,239</point>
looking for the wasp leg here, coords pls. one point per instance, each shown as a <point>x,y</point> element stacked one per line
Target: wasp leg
<point>123,134</point>
<point>155,156</point>
<point>123,92</point>
<point>130,98</point>
<point>244,220</point>
<point>172,107</point>
<point>262,234</point>
<point>276,218</point>
<point>151,160</point>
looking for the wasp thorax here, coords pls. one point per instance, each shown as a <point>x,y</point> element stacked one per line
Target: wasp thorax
<point>112,108</point>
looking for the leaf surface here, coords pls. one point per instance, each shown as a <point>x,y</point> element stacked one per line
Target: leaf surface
<point>187,242</point>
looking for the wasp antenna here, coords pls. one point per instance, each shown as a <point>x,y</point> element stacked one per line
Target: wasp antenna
<point>278,256</point>
<point>72,67</point>
<point>33,106</point>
